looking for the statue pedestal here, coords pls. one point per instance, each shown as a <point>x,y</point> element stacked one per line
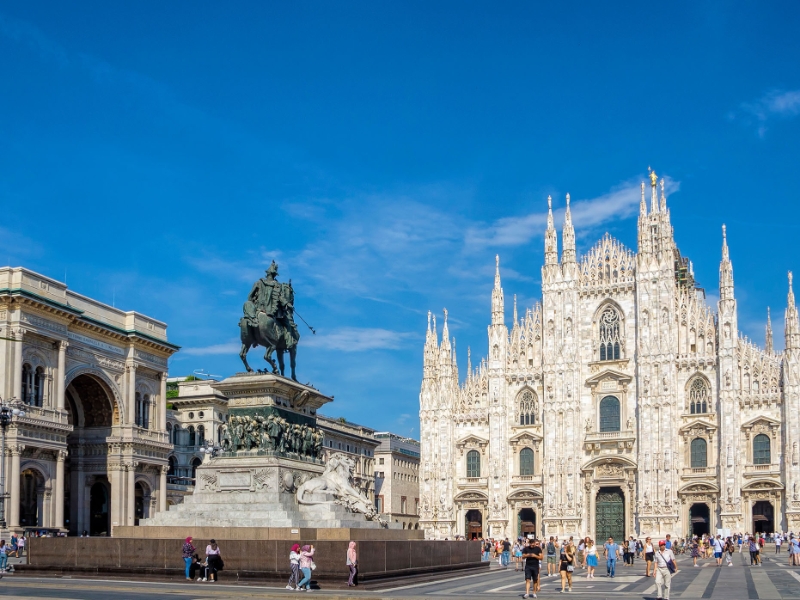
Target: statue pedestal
<point>254,482</point>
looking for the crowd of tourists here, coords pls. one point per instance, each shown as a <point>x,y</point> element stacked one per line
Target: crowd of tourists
<point>561,558</point>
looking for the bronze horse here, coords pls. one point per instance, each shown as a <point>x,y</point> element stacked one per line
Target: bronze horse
<point>276,334</point>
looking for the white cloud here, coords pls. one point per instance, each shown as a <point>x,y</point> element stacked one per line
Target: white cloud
<point>618,204</point>
<point>774,104</point>
<point>355,339</point>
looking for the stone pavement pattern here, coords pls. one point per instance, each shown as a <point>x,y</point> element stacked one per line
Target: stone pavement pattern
<point>774,581</point>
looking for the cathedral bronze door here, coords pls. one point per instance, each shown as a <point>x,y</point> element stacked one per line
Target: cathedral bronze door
<point>609,515</point>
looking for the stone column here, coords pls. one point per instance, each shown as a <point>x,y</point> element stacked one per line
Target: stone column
<point>162,489</point>
<point>117,496</point>
<point>62,375</point>
<point>13,519</point>
<point>162,404</point>
<point>131,396</point>
<point>130,508</point>
<point>59,492</point>
<point>18,364</point>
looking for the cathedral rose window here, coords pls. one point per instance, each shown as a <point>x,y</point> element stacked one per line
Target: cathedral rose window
<point>610,341</point>
<point>698,396</point>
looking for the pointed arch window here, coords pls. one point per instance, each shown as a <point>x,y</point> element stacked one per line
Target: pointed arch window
<point>527,409</point>
<point>699,453</point>
<point>610,340</point>
<point>473,463</point>
<point>609,414</point>
<point>762,454</point>
<point>699,396</point>
<point>526,462</point>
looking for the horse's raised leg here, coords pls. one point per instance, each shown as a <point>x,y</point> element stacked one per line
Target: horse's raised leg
<point>243,356</point>
<point>268,358</point>
<point>293,361</point>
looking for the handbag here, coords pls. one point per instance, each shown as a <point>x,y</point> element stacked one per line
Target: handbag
<point>313,565</point>
<point>671,566</point>
<point>570,568</point>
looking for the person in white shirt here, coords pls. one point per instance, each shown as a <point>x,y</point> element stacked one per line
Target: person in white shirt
<point>663,576</point>
<point>716,543</point>
<point>778,542</point>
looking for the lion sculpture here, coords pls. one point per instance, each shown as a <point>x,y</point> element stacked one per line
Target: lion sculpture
<point>336,481</point>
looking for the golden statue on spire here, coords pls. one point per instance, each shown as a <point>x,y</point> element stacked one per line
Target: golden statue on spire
<point>653,178</point>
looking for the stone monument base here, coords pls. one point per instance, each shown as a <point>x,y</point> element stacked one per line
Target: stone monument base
<point>257,491</point>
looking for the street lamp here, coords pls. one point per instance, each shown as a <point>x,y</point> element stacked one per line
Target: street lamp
<point>210,449</point>
<point>8,411</point>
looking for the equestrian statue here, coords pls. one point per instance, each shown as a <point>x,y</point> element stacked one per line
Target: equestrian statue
<point>268,321</point>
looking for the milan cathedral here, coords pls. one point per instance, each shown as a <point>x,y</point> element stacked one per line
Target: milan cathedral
<point>621,405</point>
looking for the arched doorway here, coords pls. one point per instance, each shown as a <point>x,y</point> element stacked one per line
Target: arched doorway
<point>763,517</point>
<point>473,524</point>
<point>609,514</point>
<point>31,500</point>
<point>99,509</point>
<point>92,411</point>
<point>141,503</point>
<point>700,519</point>
<point>526,522</point>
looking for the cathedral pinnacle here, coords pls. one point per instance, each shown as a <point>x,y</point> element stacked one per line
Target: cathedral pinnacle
<point>642,204</point>
<point>550,239</point>
<point>768,337</point>
<point>515,309</point>
<point>568,237</point>
<point>498,305</point>
<point>663,197</point>
<point>725,270</point>
<point>654,193</point>
<point>792,327</point>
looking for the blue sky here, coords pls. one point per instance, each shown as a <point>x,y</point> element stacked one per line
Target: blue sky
<point>162,154</point>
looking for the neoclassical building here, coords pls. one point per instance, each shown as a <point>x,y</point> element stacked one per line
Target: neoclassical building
<point>91,451</point>
<point>623,404</point>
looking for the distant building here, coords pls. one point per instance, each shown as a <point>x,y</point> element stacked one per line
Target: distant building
<point>356,441</point>
<point>196,412</point>
<point>397,479</point>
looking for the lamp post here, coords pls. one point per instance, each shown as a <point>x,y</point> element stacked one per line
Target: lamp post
<point>8,410</point>
<point>210,449</point>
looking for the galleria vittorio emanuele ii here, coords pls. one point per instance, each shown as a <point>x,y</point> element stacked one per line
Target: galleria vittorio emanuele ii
<point>623,404</point>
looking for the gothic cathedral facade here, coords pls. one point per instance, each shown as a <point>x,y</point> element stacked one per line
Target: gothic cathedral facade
<point>621,405</point>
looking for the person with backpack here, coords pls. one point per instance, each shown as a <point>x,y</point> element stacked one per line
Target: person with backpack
<point>665,567</point>
<point>552,547</point>
<point>487,548</point>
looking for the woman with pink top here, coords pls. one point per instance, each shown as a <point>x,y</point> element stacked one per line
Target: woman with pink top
<point>352,563</point>
<point>306,560</point>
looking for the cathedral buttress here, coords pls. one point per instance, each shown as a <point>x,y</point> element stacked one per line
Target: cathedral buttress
<point>791,412</point>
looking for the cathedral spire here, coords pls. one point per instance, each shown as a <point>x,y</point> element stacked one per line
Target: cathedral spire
<point>568,238</point>
<point>663,198</point>
<point>469,362</point>
<point>653,193</point>
<point>768,337</point>
<point>642,204</point>
<point>550,238</point>
<point>725,270</point>
<point>515,309</point>
<point>792,327</point>
<point>498,306</point>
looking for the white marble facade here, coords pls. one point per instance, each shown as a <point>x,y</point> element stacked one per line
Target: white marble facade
<point>622,403</point>
<point>91,451</point>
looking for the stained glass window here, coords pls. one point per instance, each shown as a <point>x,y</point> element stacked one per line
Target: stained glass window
<point>609,414</point>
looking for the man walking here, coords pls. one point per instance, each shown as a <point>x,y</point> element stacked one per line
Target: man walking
<point>532,555</point>
<point>506,553</point>
<point>611,553</point>
<point>663,573</point>
<point>717,544</point>
<point>551,557</point>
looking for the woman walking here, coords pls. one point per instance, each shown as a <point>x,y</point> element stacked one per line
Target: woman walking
<point>352,564</point>
<point>664,557</point>
<point>567,565</point>
<point>695,551</point>
<point>188,551</point>
<point>294,563</point>
<point>591,558</point>
<point>306,562</point>
<point>649,557</point>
